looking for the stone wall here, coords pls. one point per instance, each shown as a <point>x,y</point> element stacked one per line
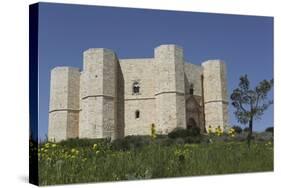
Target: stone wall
<point>192,75</point>
<point>169,88</point>
<point>98,94</point>
<point>142,71</point>
<point>215,94</point>
<point>100,102</point>
<point>64,103</point>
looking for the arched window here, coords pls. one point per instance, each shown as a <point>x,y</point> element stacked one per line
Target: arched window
<point>137,114</point>
<point>136,88</point>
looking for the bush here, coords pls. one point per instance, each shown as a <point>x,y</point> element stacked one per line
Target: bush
<point>165,141</point>
<point>178,133</point>
<point>241,137</point>
<point>183,133</point>
<point>269,129</point>
<point>264,136</point>
<point>179,141</point>
<point>246,129</point>
<point>193,140</point>
<point>130,143</point>
<point>75,142</point>
<point>237,129</point>
<point>193,131</point>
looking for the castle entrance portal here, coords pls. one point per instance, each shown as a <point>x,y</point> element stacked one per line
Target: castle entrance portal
<point>191,123</point>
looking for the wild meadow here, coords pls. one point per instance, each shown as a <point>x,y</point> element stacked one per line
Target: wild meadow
<point>146,157</point>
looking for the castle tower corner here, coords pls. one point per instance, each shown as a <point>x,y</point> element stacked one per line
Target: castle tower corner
<point>98,91</point>
<point>64,104</point>
<point>170,88</point>
<point>215,94</point>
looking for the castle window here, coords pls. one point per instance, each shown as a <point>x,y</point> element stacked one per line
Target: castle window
<point>191,89</point>
<point>136,88</point>
<point>137,114</point>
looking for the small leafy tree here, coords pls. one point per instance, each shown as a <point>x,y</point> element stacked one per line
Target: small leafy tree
<point>250,104</point>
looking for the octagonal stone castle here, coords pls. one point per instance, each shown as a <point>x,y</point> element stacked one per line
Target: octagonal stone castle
<point>114,97</point>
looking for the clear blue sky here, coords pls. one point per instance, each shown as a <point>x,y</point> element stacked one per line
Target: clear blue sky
<point>245,43</point>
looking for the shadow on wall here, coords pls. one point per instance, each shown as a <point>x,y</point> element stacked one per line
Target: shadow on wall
<point>120,103</point>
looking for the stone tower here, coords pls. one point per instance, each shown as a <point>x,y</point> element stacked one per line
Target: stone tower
<point>98,91</point>
<point>64,103</point>
<point>215,94</point>
<point>170,88</point>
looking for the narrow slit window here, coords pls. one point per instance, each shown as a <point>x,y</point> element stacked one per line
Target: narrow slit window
<point>191,89</point>
<point>137,114</point>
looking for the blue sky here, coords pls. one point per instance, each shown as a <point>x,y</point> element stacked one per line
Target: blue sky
<point>245,43</point>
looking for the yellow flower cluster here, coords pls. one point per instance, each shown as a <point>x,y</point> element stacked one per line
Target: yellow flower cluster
<point>74,153</point>
<point>51,151</point>
<point>209,130</point>
<point>231,132</point>
<point>153,131</point>
<point>182,151</point>
<point>218,131</point>
<point>95,148</point>
<point>269,143</point>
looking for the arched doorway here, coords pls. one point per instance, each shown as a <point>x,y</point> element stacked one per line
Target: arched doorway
<point>191,123</point>
<point>193,113</point>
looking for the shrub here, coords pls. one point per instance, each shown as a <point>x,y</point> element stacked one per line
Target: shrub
<point>179,141</point>
<point>241,137</point>
<point>246,129</point>
<point>130,143</point>
<point>193,131</point>
<point>264,136</point>
<point>75,142</point>
<point>222,138</point>
<point>237,129</point>
<point>183,133</point>
<point>269,129</point>
<point>164,141</point>
<point>193,139</point>
<point>178,133</point>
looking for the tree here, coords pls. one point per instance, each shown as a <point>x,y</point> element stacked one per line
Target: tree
<point>250,104</point>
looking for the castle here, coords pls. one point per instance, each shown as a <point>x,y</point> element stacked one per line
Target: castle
<point>114,97</point>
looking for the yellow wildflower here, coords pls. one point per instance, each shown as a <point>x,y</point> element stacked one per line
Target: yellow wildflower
<point>95,146</point>
<point>153,131</point>
<point>47,145</point>
<point>218,131</point>
<point>73,150</point>
<point>76,152</point>
<point>209,129</point>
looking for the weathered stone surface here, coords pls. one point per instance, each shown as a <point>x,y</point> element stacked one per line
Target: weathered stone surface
<point>64,103</point>
<point>215,94</point>
<point>170,88</point>
<point>98,115</point>
<point>114,97</point>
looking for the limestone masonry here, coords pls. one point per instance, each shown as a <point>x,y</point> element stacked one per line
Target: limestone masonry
<point>114,97</point>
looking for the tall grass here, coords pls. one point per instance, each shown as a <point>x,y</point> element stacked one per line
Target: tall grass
<point>95,162</point>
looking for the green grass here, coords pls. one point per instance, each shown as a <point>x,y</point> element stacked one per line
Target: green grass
<point>88,162</point>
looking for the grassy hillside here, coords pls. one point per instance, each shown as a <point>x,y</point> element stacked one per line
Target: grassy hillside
<point>78,161</point>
